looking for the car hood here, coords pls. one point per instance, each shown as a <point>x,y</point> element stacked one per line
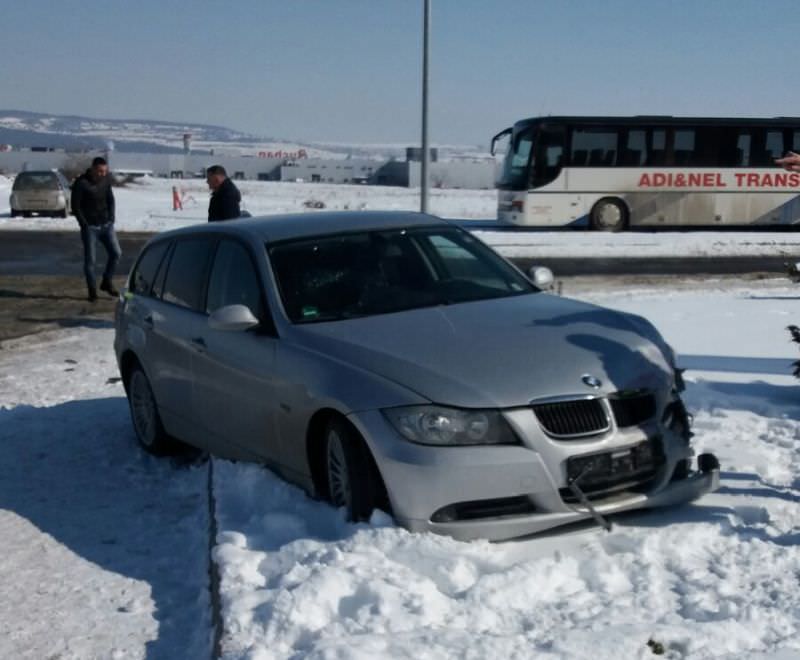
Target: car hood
<point>500,353</point>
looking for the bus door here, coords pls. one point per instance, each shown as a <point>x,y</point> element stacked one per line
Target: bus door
<point>549,202</point>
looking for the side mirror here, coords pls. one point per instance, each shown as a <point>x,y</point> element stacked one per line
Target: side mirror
<point>542,277</point>
<point>232,317</point>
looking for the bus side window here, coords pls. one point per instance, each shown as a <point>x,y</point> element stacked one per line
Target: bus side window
<point>767,146</point>
<point>635,151</point>
<point>599,143</point>
<point>773,146</point>
<point>743,149</point>
<point>657,154</point>
<point>796,142</point>
<point>683,146</point>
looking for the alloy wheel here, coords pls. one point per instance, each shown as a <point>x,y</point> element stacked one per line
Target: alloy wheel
<point>338,476</point>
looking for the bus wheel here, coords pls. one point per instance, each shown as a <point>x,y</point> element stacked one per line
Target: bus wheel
<point>609,214</point>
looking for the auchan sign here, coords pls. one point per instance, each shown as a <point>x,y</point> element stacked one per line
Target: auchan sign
<point>773,180</point>
<point>291,155</point>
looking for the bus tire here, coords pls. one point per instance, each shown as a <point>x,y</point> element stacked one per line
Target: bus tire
<point>609,214</point>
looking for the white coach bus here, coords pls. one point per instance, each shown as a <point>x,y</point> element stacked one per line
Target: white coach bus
<point>610,173</point>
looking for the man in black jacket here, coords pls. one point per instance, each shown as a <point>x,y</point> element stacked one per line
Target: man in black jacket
<point>93,206</point>
<point>225,196</point>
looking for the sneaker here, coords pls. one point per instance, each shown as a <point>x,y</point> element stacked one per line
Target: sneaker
<point>108,286</point>
<point>92,295</point>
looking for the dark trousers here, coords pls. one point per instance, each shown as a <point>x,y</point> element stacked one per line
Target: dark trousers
<point>105,234</point>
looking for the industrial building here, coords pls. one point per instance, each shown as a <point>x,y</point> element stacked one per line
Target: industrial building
<point>462,173</point>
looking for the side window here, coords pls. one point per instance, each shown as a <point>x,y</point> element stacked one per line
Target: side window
<point>635,151</point>
<point>658,147</point>
<point>144,275</point>
<point>796,141</point>
<point>683,146</point>
<point>596,147</point>
<point>186,276</point>
<point>773,147</point>
<point>743,149</point>
<point>234,280</point>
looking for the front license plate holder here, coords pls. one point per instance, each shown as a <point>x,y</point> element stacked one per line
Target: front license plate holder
<point>617,465</point>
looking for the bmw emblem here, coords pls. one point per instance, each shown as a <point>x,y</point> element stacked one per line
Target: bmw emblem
<point>591,381</point>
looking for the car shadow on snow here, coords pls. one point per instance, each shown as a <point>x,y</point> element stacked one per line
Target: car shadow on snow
<point>74,471</point>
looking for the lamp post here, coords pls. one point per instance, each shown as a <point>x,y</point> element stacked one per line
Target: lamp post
<point>423,206</point>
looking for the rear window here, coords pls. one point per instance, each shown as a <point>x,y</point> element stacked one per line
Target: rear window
<point>36,181</point>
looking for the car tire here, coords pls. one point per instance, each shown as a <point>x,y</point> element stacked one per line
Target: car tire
<point>144,414</point>
<point>14,213</point>
<point>27,214</point>
<point>609,214</point>
<point>352,479</point>
<point>63,214</point>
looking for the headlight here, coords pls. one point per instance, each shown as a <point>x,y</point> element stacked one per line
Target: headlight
<point>436,425</point>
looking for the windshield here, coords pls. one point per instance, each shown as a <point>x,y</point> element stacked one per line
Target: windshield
<point>515,166</point>
<point>36,181</point>
<point>379,272</point>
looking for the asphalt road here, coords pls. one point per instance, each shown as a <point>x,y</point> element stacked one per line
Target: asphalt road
<point>59,253</point>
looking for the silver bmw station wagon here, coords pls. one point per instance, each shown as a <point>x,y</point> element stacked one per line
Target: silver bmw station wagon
<point>393,361</point>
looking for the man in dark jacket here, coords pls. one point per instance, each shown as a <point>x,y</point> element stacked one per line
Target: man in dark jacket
<point>93,206</point>
<point>225,196</point>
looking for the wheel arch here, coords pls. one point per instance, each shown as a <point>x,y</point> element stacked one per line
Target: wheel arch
<point>315,453</point>
<point>127,362</point>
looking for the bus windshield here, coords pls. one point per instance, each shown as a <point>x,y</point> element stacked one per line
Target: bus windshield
<point>515,166</point>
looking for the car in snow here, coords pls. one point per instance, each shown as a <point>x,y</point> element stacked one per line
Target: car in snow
<point>44,192</point>
<point>394,361</point>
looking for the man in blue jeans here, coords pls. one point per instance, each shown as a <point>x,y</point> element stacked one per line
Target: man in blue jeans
<point>93,206</point>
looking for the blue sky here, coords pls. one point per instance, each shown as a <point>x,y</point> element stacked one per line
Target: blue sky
<point>349,70</point>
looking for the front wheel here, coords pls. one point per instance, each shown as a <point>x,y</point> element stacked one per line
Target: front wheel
<point>353,482</point>
<point>609,215</point>
<point>144,413</point>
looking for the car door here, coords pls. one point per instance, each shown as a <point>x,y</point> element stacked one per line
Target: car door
<point>233,373</point>
<point>176,322</point>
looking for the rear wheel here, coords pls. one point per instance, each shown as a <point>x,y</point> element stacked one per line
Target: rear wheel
<point>609,214</point>
<point>353,482</point>
<point>144,414</point>
<point>14,213</point>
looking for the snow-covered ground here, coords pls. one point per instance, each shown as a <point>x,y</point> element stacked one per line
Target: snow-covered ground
<point>147,206</point>
<point>103,551</point>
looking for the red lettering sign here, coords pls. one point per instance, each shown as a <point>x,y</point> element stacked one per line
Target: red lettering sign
<point>290,155</point>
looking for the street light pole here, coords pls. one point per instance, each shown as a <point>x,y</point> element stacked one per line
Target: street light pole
<point>423,207</point>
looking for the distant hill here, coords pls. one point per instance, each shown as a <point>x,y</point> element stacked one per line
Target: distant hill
<point>21,128</point>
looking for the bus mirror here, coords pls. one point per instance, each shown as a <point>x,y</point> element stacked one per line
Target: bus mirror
<point>542,277</point>
<point>501,134</point>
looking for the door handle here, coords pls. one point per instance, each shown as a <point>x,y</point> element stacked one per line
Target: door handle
<point>199,343</point>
